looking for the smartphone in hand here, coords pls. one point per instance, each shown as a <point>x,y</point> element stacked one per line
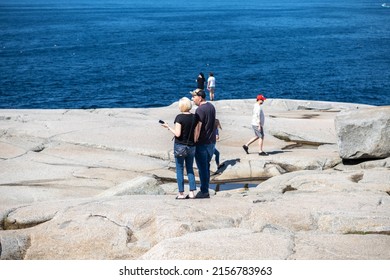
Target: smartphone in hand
<point>160,121</point>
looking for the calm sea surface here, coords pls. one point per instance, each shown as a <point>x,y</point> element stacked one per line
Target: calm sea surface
<point>117,53</point>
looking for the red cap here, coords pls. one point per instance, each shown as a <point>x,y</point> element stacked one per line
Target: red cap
<point>260,97</point>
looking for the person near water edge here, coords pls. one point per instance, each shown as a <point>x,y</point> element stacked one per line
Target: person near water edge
<point>211,85</point>
<point>201,81</point>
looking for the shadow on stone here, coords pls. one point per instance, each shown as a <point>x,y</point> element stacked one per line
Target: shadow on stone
<point>225,164</point>
<point>225,186</point>
<point>358,161</point>
<point>288,188</point>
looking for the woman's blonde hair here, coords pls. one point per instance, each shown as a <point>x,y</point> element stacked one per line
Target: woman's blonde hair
<point>185,104</point>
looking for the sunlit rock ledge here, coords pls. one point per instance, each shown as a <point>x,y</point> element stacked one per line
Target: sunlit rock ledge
<point>100,184</point>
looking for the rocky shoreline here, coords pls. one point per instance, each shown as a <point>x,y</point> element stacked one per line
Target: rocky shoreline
<point>99,184</point>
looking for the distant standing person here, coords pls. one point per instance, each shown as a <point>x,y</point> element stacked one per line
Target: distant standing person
<point>211,85</point>
<point>201,81</point>
<point>257,125</point>
<point>184,129</point>
<point>204,139</point>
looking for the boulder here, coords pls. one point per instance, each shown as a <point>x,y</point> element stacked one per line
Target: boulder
<point>14,246</point>
<point>364,133</point>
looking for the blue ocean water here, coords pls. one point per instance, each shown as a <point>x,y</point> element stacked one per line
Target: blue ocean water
<point>136,53</point>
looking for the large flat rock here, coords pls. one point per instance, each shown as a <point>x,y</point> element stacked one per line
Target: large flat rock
<point>100,184</point>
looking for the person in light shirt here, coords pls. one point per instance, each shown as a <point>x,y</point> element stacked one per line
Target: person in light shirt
<point>211,85</point>
<point>257,125</point>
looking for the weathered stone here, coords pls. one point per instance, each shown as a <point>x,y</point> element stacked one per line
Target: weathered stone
<point>364,133</point>
<point>100,184</point>
<point>223,244</point>
<point>319,246</point>
<point>140,185</point>
<point>13,246</point>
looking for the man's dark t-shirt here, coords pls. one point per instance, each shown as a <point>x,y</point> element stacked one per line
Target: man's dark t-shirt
<point>206,114</point>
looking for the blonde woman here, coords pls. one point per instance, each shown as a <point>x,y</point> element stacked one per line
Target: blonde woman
<point>184,128</point>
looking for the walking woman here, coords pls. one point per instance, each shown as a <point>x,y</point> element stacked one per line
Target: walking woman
<point>185,124</point>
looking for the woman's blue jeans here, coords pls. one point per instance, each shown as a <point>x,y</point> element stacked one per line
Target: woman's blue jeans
<point>189,162</point>
<point>203,156</point>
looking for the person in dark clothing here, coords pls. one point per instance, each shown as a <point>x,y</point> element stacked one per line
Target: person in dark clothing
<point>204,139</point>
<point>185,124</point>
<point>201,81</point>
<point>216,152</point>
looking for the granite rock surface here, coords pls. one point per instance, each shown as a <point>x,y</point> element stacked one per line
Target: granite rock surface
<point>100,184</point>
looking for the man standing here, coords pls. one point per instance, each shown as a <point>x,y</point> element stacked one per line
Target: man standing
<point>211,85</point>
<point>205,139</point>
<point>257,125</point>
